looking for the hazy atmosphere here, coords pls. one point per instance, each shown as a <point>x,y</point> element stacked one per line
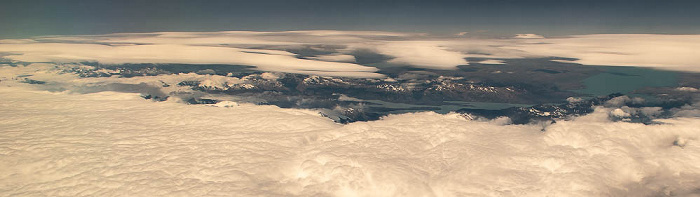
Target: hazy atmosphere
<point>24,18</point>
<point>349,98</point>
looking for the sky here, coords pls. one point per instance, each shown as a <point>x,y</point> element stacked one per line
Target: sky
<point>28,18</point>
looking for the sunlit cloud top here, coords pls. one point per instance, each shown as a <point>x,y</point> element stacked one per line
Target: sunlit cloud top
<point>334,52</point>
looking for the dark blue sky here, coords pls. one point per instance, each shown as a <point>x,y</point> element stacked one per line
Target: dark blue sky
<point>26,18</point>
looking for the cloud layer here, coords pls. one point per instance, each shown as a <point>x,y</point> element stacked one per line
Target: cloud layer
<point>270,51</point>
<point>669,52</point>
<point>187,54</point>
<point>119,144</point>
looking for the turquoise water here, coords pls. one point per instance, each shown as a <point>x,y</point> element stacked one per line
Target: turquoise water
<point>612,80</point>
<point>443,109</point>
<point>486,105</point>
<point>626,79</point>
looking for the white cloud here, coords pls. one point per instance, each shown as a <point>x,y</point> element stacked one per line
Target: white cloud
<point>574,99</point>
<point>618,101</point>
<point>428,54</point>
<point>671,52</point>
<point>492,62</point>
<point>528,36</point>
<point>619,113</point>
<point>118,144</point>
<point>269,76</point>
<point>687,89</point>
<point>269,51</point>
<point>272,61</point>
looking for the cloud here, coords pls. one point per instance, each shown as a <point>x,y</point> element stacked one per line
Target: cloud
<point>492,62</point>
<point>335,58</point>
<point>619,113</point>
<point>528,36</point>
<point>188,54</point>
<point>670,52</point>
<point>427,54</point>
<point>574,99</point>
<point>111,143</point>
<point>687,89</point>
<point>101,138</point>
<point>271,51</point>
<point>688,111</point>
<point>622,101</point>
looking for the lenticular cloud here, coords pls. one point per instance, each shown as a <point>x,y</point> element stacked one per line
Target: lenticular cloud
<point>118,144</point>
<point>270,51</point>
